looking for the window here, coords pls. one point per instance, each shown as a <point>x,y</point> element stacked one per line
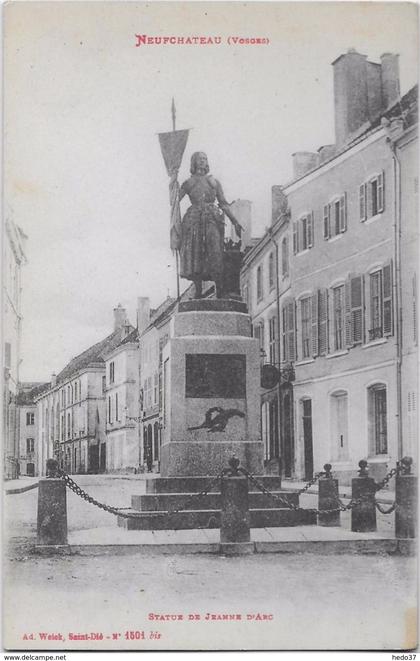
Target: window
<point>271,271</point>
<point>288,336</point>
<point>30,418</point>
<point>303,231</point>
<point>68,425</point>
<point>273,340</point>
<point>335,217</point>
<point>111,372</point>
<point>30,445</point>
<point>259,284</point>
<point>103,383</point>
<point>7,354</point>
<point>285,256</point>
<point>245,295</point>
<point>259,334</point>
<point>75,392</point>
<point>372,197</point>
<point>381,318</point>
<point>354,302</point>
<point>377,413</point>
<point>414,284</point>
<point>338,317</point>
<point>155,388</point>
<point>305,307</point>
<point>117,414</point>
<point>109,410</point>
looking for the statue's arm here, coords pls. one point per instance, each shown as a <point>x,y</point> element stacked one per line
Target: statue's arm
<point>225,206</point>
<point>182,191</point>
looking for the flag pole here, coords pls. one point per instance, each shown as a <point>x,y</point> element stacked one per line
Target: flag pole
<point>173,111</point>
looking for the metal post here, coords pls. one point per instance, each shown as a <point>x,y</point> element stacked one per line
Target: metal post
<point>328,498</point>
<point>406,501</point>
<point>363,512</point>
<point>235,535</point>
<point>52,508</point>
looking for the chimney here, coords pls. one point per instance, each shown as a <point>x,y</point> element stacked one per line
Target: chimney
<point>326,152</point>
<point>126,329</point>
<point>303,162</point>
<point>143,313</point>
<point>120,315</point>
<point>53,380</point>
<point>242,209</point>
<point>350,94</point>
<point>390,79</point>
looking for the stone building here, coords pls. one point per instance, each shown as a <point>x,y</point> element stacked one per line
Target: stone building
<point>71,413</point>
<point>27,425</point>
<point>13,259</point>
<point>342,269</point>
<point>122,403</point>
<point>153,338</point>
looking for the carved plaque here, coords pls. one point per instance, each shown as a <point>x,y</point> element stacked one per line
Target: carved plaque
<point>215,375</point>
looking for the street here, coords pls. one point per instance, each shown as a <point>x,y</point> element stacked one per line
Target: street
<point>268,601</point>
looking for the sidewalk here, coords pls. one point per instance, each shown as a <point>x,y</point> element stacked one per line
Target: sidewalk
<point>22,484</point>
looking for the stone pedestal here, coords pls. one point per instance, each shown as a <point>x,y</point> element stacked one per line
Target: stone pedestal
<point>211,390</point>
<point>52,512</point>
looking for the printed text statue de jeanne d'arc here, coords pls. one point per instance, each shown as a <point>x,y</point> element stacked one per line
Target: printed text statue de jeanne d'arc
<point>201,239</point>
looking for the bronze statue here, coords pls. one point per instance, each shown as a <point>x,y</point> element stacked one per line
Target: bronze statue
<point>202,227</point>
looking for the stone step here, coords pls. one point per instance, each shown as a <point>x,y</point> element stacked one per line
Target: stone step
<point>212,501</point>
<point>197,484</point>
<point>192,519</point>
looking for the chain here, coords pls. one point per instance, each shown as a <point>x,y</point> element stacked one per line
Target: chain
<point>382,510</point>
<point>118,511</point>
<point>73,486</point>
<point>311,482</point>
<point>380,485</point>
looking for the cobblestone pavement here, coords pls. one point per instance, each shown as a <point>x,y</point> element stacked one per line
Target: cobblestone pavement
<point>350,601</point>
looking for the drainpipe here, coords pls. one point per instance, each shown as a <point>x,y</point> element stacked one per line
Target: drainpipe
<point>276,245</point>
<point>397,286</point>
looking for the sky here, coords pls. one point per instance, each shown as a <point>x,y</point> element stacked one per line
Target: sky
<point>83,172</point>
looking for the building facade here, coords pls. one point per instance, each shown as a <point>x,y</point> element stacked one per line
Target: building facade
<point>71,413</point>
<point>13,260</point>
<point>342,265</point>
<point>122,404</point>
<point>27,424</point>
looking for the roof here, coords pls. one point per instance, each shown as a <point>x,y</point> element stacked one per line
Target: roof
<point>91,356</point>
<point>133,336</point>
<point>29,391</point>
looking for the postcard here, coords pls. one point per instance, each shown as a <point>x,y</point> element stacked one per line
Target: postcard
<point>210,262</point>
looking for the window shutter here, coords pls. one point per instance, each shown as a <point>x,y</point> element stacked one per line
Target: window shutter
<point>284,334</point>
<point>381,192</point>
<point>314,322</point>
<point>387,299</point>
<point>295,237</point>
<point>343,212</point>
<point>291,332</point>
<point>356,302</point>
<point>327,221</point>
<point>310,229</point>
<point>362,202</point>
<point>347,316</point>
<point>323,321</point>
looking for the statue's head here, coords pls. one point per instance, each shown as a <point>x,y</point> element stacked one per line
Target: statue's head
<point>199,163</point>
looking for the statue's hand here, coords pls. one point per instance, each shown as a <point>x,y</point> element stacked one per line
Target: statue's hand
<point>238,229</point>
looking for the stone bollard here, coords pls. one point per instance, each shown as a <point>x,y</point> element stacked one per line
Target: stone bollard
<point>52,508</point>
<point>328,498</point>
<point>235,535</point>
<point>406,501</point>
<point>363,514</point>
